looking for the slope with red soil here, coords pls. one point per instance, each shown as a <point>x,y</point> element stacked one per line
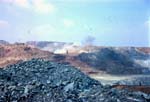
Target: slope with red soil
<point>12,53</point>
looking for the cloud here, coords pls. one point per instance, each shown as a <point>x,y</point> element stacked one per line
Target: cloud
<point>20,3</point>
<point>68,23</point>
<point>38,6</point>
<point>99,1</point>
<point>147,24</point>
<point>44,32</point>
<point>43,29</point>
<point>4,24</point>
<point>41,6</point>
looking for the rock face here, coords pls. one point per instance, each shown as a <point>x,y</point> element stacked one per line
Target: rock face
<point>116,61</point>
<point>43,81</point>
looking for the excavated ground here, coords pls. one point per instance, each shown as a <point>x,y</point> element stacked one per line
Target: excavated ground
<point>38,80</point>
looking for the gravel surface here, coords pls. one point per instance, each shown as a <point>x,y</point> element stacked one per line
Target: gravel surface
<point>43,81</point>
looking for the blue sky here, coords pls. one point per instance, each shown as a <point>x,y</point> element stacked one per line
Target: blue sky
<point>111,22</point>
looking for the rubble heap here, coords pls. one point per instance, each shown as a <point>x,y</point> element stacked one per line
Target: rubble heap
<point>38,80</point>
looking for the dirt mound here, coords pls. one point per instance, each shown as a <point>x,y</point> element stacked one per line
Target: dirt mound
<point>144,50</point>
<point>115,61</point>
<point>38,80</point>
<point>145,89</point>
<point>12,53</point>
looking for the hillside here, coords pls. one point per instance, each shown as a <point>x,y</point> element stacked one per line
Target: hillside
<point>12,53</point>
<point>98,62</point>
<point>89,59</point>
<point>105,64</point>
<point>118,60</point>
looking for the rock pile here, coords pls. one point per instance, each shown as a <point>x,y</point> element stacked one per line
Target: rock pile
<point>43,81</point>
<point>115,62</point>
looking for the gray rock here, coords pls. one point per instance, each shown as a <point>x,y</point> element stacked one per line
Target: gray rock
<point>56,83</point>
<point>69,87</point>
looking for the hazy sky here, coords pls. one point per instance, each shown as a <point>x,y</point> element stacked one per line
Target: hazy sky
<point>111,22</point>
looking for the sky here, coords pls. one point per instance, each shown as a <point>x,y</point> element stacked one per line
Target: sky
<point>110,22</point>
